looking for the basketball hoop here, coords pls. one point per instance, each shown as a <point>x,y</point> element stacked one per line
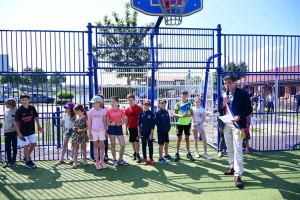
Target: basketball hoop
<point>173,10</point>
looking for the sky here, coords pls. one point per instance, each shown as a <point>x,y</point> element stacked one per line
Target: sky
<point>274,17</point>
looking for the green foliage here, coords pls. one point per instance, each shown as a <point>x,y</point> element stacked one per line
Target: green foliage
<point>233,67</point>
<point>38,76</point>
<point>57,79</point>
<point>131,47</point>
<point>13,80</point>
<point>65,94</point>
<point>195,80</point>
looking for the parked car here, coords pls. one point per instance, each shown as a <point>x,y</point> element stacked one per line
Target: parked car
<point>3,98</point>
<point>40,98</point>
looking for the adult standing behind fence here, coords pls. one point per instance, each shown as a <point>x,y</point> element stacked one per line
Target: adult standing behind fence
<point>260,103</point>
<point>297,101</point>
<point>239,101</point>
<point>270,102</point>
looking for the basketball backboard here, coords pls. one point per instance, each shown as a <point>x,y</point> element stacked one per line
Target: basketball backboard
<point>152,7</point>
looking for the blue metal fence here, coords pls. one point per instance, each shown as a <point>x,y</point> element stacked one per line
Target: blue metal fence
<point>48,64</point>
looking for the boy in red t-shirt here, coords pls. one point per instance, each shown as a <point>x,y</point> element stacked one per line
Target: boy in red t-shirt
<point>132,114</point>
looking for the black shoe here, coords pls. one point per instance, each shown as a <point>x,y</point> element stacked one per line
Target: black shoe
<point>176,157</point>
<point>138,158</point>
<point>189,156</point>
<point>133,157</point>
<point>6,164</point>
<point>106,158</point>
<point>12,163</point>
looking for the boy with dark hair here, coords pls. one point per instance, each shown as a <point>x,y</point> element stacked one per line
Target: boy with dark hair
<point>10,133</point>
<point>184,112</point>
<point>146,123</point>
<point>162,121</point>
<point>132,113</point>
<point>25,126</point>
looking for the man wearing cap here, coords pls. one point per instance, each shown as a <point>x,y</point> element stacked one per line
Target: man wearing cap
<point>239,102</point>
<point>183,110</point>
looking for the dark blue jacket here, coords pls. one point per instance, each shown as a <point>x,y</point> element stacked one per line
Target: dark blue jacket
<point>146,122</point>
<point>241,105</point>
<point>162,121</point>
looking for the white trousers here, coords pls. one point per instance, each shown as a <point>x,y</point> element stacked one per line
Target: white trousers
<point>234,148</point>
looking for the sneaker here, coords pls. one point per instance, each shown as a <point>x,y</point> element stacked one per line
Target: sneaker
<point>104,165</point>
<point>6,164</point>
<point>145,162</point>
<point>34,166</point>
<point>123,162</point>
<point>23,160</point>
<point>138,158</point>
<point>207,156</point>
<point>177,157</point>
<point>162,161</point>
<point>106,158</point>
<point>197,155</point>
<point>29,165</point>
<point>220,154</point>
<point>133,157</point>
<point>152,162</point>
<point>189,156</point>
<point>168,157</point>
<point>12,163</point>
<point>115,163</point>
<point>98,165</point>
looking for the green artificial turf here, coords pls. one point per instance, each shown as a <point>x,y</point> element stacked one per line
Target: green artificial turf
<point>269,175</point>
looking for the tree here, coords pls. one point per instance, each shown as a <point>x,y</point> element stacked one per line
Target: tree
<point>57,80</point>
<point>129,42</point>
<point>195,80</point>
<point>13,80</point>
<point>39,78</point>
<point>233,67</point>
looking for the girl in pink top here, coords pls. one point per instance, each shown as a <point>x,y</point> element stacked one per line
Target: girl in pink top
<point>115,118</point>
<point>97,129</point>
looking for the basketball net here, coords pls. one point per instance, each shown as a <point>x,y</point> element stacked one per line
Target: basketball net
<point>173,10</point>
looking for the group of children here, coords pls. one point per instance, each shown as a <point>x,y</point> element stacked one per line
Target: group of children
<point>101,122</point>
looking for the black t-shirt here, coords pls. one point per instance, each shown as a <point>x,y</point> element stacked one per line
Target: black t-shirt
<point>25,118</point>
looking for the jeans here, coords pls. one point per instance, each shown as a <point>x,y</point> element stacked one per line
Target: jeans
<point>11,141</point>
<point>297,106</point>
<point>145,140</point>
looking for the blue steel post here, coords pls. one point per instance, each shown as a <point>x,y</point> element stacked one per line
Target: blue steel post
<point>95,65</point>
<point>90,73</point>
<point>153,63</point>
<point>58,126</point>
<point>219,73</point>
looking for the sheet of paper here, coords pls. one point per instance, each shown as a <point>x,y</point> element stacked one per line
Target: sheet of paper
<point>226,118</point>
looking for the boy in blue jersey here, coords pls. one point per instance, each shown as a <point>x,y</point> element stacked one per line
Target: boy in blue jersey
<point>162,121</point>
<point>146,123</point>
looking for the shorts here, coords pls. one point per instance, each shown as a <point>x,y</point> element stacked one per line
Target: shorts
<point>69,133</point>
<point>162,137</point>
<point>200,126</point>
<point>115,130</point>
<point>98,135</point>
<point>28,140</point>
<point>133,135</point>
<point>185,128</point>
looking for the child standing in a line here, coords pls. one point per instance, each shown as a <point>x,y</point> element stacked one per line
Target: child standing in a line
<point>97,130</point>
<point>68,123</point>
<point>198,120</point>
<point>80,134</point>
<point>10,133</point>
<point>115,118</point>
<point>106,140</point>
<point>24,123</point>
<point>162,121</point>
<point>132,114</point>
<point>247,135</point>
<point>146,123</point>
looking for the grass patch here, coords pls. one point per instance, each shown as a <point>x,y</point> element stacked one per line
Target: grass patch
<point>267,175</point>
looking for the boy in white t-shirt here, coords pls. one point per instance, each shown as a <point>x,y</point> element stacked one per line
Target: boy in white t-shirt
<point>198,120</point>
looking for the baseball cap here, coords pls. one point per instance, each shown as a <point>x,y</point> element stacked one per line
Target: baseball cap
<point>147,102</point>
<point>95,99</point>
<point>69,105</point>
<point>184,91</point>
<point>163,101</point>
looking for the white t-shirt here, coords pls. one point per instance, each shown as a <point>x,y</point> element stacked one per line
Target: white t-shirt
<point>198,113</point>
<point>68,123</point>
